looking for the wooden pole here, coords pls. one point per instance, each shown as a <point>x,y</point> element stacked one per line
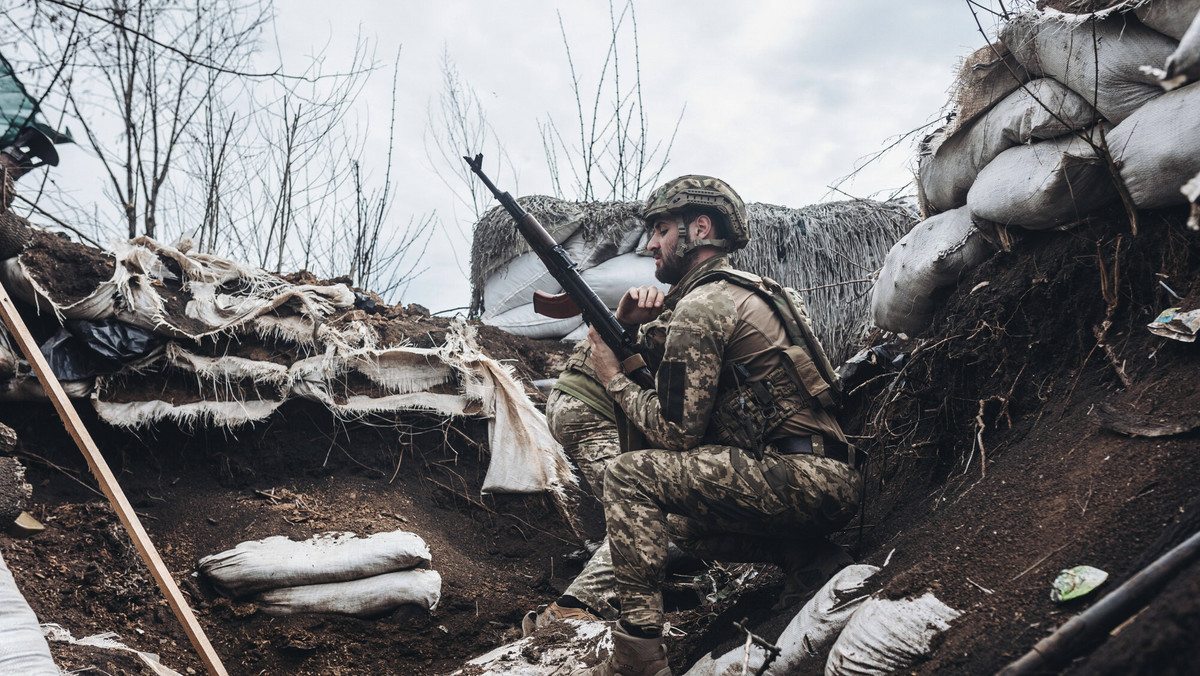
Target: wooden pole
<point>108,484</point>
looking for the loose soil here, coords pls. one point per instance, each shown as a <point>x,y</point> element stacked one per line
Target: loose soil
<point>992,468</point>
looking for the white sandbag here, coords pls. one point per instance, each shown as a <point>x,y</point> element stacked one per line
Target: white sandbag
<point>931,257</point>
<point>513,285</point>
<point>807,637</point>
<point>1158,148</point>
<point>366,597</point>
<point>97,305</point>
<point>524,321</point>
<point>1169,17</point>
<point>612,278</point>
<point>1191,191</point>
<point>1183,65</point>
<point>23,648</point>
<point>885,637</point>
<point>1044,185</point>
<point>1043,109</point>
<point>276,561</point>
<point>1106,67</point>
<point>576,335</point>
<point>584,643</point>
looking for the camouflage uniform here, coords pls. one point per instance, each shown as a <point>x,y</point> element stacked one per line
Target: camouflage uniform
<point>588,433</point>
<point>581,417</point>
<point>731,505</point>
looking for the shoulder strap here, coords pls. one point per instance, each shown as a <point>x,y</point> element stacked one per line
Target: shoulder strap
<point>814,368</point>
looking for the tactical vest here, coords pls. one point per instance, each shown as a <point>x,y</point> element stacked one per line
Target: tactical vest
<point>747,414</point>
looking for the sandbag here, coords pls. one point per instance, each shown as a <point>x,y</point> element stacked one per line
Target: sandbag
<point>524,321</point>
<point>885,637</point>
<point>365,597</point>
<point>23,648</point>
<point>576,642</point>
<point>276,561</point>
<point>1158,148</point>
<point>513,285</point>
<point>612,278</point>
<point>930,258</point>
<point>1043,109</point>
<point>1044,185</point>
<point>807,637</point>
<point>1183,65</point>
<point>1169,17</point>
<point>1106,65</point>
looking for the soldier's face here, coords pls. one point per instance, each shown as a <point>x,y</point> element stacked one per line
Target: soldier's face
<point>664,240</point>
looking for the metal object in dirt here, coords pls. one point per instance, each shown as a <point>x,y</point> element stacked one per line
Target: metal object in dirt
<point>1076,582</point>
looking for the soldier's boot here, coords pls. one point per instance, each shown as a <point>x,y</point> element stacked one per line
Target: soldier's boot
<point>552,613</point>
<point>633,656</point>
<point>807,566</point>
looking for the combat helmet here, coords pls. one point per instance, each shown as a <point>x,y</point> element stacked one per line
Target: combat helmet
<point>701,193</point>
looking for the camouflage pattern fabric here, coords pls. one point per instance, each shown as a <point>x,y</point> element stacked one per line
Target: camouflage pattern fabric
<point>735,508</point>
<point>596,584</point>
<point>730,505</point>
<point>588,438</point>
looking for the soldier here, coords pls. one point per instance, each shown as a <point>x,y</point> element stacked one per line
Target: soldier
<point>745,452</point>
<point>582,418</point>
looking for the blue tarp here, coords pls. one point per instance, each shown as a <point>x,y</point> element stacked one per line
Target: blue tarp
<point>17,109</point>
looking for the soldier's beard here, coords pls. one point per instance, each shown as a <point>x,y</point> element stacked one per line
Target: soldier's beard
<point>671,267</point>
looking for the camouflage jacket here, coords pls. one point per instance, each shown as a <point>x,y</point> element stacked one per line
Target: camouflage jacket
<point>702,327</point>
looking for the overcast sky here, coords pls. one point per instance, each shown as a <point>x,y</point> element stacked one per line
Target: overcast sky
<point>783,97</point>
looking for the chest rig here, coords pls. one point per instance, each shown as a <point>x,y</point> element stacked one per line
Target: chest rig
<point>747,414</point>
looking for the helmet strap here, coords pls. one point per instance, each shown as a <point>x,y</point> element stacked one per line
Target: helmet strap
<point>686,243</point>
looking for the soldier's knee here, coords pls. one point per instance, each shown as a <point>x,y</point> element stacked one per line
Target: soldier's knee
<point>620,475</point>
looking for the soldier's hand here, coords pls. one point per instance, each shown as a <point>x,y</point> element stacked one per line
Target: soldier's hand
<point>640,304</point>
<point>604,362</point>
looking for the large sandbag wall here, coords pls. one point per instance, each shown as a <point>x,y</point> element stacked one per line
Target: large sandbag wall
<point>1114,88</point>
<point>824,250</point>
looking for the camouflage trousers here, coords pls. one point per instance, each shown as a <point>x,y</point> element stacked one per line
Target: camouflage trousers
<point>729,507</point>
<point>589,439</point>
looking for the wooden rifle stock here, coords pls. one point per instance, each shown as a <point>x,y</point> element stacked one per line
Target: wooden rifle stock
<point>582,299</point>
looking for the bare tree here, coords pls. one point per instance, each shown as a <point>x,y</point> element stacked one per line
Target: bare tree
<point>458,126</point>
<point>264,166</point>
<point>615,157</point>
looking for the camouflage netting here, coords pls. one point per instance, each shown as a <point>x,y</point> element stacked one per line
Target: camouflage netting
<point>828,251</point>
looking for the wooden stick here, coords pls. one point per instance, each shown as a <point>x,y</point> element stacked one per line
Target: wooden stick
<point>108,484</point>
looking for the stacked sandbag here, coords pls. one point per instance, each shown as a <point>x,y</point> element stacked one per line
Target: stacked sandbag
<point>823,250</point>
<point>1098,57</point>
<point>932,257</point>
<point>1042,109</point>
<point>332,573</point>
<point>1051,152</point>
<point>1043,185</point>
<point>807,638</point>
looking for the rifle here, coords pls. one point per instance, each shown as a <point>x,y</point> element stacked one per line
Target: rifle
<point>577,296</point>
